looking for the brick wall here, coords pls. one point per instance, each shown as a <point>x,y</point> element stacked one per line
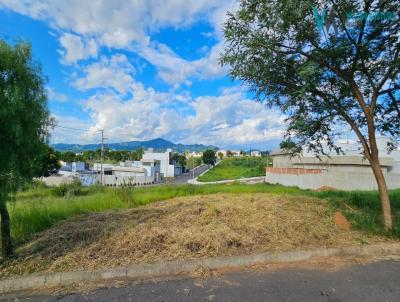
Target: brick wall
<point>294,171</point>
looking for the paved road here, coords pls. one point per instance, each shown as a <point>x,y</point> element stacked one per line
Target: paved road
<point>373,282</point>
<point>182,179</point>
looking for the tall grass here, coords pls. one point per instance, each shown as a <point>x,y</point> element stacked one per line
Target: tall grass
<point>363,209</point>
<point>40,208</point>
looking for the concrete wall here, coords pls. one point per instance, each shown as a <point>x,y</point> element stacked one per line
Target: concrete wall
<point>339,180</point>
<point>55,180</point>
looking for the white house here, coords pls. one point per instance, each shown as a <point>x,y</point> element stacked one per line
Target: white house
<point>166,168</point>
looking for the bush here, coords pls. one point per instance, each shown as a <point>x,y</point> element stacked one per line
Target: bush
<point>67,190</point>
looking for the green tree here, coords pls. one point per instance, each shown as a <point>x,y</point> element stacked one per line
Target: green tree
<point>220,155</point>
<point>48,162</point>
<point>137,154</point>
<point>209,157</point>
<point>180,159</point>
<point>24,121</point>
<point>325,78</point>
<point>68,156</point>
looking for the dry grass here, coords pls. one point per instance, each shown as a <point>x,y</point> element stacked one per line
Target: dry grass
<point>184,228</point>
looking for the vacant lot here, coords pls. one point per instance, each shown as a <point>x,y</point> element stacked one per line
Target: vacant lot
<point>236,168</point>
<point>184,228</point>
<point>50,230</point>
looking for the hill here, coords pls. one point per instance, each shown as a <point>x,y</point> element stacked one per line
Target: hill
<point>157,144</point>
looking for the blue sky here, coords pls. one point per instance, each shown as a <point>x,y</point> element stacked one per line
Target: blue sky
<point>140,69</point>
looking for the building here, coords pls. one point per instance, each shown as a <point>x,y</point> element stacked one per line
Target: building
<point>167,168</point>
<point>72,171</point>
<point>255,153</point>
<point>68,168</point>
<point>129,173</point>
<point>350,171</point>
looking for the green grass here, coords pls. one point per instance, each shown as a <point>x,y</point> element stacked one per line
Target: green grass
<point>38,209</point>
<point>236,168</point>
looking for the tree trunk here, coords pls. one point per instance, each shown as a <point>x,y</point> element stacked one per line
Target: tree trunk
<point>6,244</point>
<point>383,193</point>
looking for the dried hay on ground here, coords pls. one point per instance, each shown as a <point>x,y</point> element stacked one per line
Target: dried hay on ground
<point>183,228</point>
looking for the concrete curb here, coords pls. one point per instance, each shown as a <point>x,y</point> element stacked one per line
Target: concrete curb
<point>249,180</point>
<point>143,271</point>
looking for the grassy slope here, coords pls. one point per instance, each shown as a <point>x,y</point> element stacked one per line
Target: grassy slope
<point>235,168</point>
<point>38,209</point>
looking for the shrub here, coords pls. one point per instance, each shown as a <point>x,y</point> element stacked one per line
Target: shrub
<point>68,190</point>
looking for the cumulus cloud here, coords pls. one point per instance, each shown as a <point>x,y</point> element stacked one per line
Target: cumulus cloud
<point>117,23</point>
<point>223,120</point>
<point>86,133</point>
<point>85,26</point>
<point>115,73</point>
<point>74,48</point>
<point>175,70</point>
<point>122,105</point>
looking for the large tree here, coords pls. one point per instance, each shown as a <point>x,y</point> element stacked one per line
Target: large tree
<point>209,157</point>
<point>24,118</point>
<point>326,64</point>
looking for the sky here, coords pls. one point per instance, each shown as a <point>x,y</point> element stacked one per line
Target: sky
<point>140,69</point>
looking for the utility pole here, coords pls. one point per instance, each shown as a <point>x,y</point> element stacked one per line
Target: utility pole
<point>193,168</point>
<point>101,157</point>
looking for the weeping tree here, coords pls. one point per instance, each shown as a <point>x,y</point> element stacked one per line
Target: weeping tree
<point>328,65</point>
<point>24,119</point>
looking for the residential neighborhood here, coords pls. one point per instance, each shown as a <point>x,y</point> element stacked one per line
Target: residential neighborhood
<point>232,150</point>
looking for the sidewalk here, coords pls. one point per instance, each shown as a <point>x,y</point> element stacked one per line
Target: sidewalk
<point>163,269</point>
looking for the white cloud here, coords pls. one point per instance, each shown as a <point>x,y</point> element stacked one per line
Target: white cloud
<point>124,107</point>
<point>87,25</point>
<point>56,96</point>
<point>86,133</point>
<point>174,70</point>
<point>222,120</point>
<point>75,48</point>
<point>114,73</point>
<point>117,23</point>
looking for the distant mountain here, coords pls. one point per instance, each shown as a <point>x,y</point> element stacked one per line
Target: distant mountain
<point>158,144</point>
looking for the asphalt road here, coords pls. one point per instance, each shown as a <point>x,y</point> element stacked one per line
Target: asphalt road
<point>183,179</point>
<point>377,281</point>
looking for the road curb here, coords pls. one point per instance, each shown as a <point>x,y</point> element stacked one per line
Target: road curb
<point>162,269</point>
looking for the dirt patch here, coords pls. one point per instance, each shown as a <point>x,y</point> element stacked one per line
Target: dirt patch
<point>341,221</point>
<point>184,228</point>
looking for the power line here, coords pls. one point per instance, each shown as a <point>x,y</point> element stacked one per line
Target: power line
<point>76,129</point>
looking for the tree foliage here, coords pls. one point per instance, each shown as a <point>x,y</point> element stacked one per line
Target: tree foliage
<point>24,121</point>
<point>209,157</point>
<point>179,159</point>
<point>110,155</point>
<point>48,162</point>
